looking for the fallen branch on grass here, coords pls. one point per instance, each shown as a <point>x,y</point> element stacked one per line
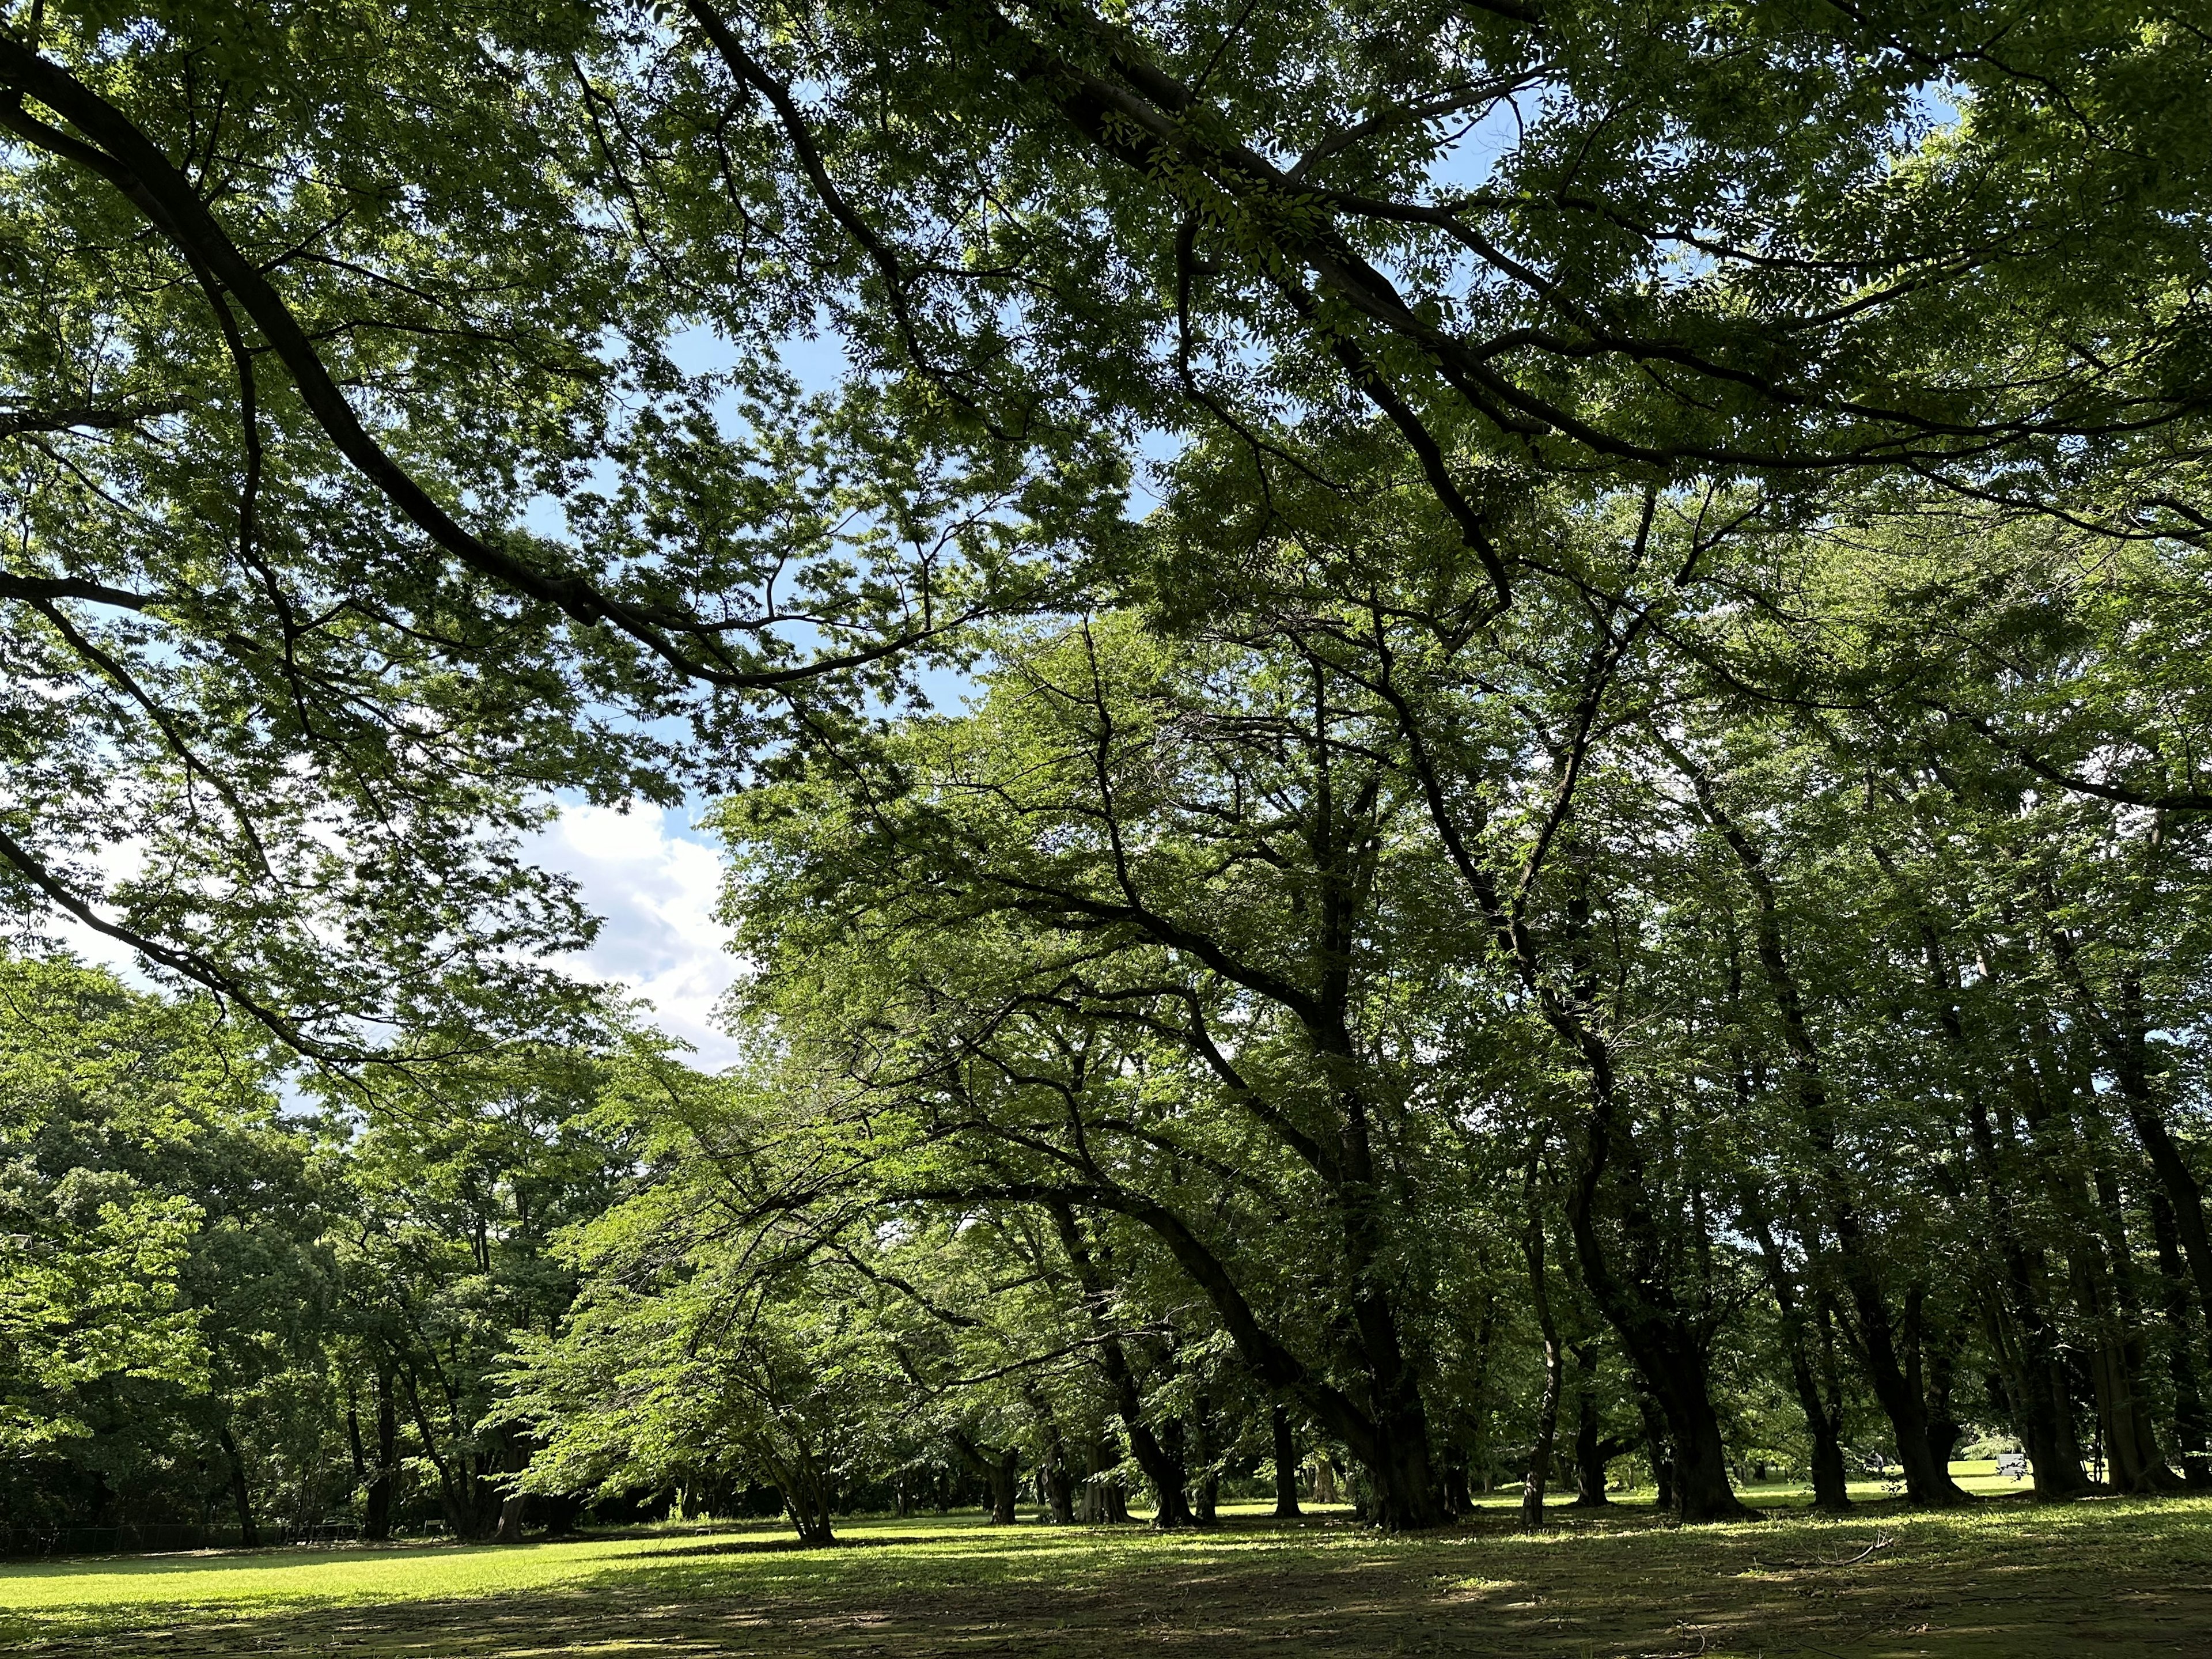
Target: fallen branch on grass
<point>1882,1540</point>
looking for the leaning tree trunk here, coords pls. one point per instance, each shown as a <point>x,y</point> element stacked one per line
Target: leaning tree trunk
<point>2039,1409</point>
<point>1897,1394</point>
<point>1163,1468</point>
<point>2131,1419</point>
<point>1896,1390</point>
<point>1409,1496</point>
<point>1831,1490</point>
<point>1661,1339</point>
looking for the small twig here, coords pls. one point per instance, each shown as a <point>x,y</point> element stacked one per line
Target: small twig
<point>1882,1540</point>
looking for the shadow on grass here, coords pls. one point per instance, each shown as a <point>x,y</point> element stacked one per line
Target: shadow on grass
<point>2004,1580</point>
<point>711,1546</point>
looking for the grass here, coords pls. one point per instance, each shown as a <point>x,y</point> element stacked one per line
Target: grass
<point>2004,1580</point>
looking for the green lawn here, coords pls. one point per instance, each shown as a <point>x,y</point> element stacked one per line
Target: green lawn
<point>2002,1580</point>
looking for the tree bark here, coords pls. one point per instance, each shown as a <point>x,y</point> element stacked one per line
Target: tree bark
<point>1206,1497</point>
<point>1656,1448</point>
<point>1594,1449</point>
<point>2139,1464</point>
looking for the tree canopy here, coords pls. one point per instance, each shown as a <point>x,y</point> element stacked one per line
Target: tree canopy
<point>1449,738</point>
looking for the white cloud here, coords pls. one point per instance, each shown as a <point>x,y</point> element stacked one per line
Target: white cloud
<point>644,871</point>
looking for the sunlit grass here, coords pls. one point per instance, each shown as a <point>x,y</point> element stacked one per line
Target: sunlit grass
<point>1617,1568</point>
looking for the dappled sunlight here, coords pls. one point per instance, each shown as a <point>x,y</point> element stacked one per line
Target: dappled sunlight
<point>1992,1582</point>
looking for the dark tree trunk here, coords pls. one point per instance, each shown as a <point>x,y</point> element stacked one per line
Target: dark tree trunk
<point>1287,1466</point>
<point>1162,1463</point>
<point>2189,1421</point>
<point>1055,1478</point>
<point>2129,1429</point>
<point>2185,1197</point>
<point>1661,1453</point>
<point>512,1509</point>
<point>1591,1453</point>
<point>1163,1469</point>
<point>376,1520</point>
<point>1897,1388</point>
<point>1662,1339</point>
<point>249,1534</point>
<point>1824,1424</point>
<point>999,1469</point>
<point>809,1496</point>
<point>1206,1497</point>
<point>1104,1499</point>
<point>1899,1394</point>
<point>2125,1041</point>
<point>1059,1489</point>
<point>1402,1476</point>
<point>1538,1473</point>
<point>2038,1411</point>
<point>1944,1428</point>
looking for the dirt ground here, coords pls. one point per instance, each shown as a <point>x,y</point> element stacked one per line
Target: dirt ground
<point>2004,1580</point>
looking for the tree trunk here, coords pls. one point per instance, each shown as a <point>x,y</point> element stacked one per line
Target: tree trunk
<point>2040,1408</point>
<point>1205,1504</point>
<point>1547,1406</point>
<point>2125,1042</point>
<point>1059,1489</point>
<point>2040,1411</point>
<point>1662,1339</point>
<point>1899,1394</point>
<point>2130,1424</point>
<point>249,1534</point>
<point>2188,1420</point>
<point>1590,1454</point>
<point>999,1470</point>
<point>809,1495</point>
<point>1656,1448</point>
<point>1831,1490</point>
<point>1287,1466</point>
<point>1164,1470</point>
<point>376,1521</point>
<point>511,1511</point>
<point>1324,1480</point>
